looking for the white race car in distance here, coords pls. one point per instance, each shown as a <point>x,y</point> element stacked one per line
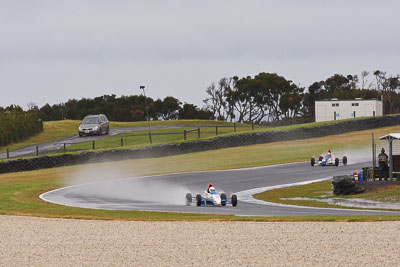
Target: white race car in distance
<point>212,198</point>
<point>328,160</point>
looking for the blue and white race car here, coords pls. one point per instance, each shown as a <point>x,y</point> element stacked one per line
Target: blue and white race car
<point>211,198</point>
<point>328,160</point>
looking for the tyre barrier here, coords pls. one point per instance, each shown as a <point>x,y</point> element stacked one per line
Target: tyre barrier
<point>345,185</point>
<point>197,145</point>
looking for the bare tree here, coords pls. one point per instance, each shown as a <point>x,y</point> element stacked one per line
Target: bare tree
<point>387,86</point>
<point>32,106</point>
<point>393,83</point>
<point>364,81</point>
<point>216,101</point>
<point>212,102</point>
<point>226,85</point>
<point>380,77</point>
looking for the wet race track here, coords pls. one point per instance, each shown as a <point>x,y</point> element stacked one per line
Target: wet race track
<point>167,192</point>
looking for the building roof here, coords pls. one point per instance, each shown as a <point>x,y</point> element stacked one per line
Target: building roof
<point>392,135</point>
<point>354,100</point>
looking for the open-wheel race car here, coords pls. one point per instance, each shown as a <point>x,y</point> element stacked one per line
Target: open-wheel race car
<point>211,197</point>
<point>328,160</point>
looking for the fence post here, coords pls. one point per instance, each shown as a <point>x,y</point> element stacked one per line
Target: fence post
<point>252,125</point>
<point>93,145</point>
<point>216,130</point>
<point>198,133</point>
<point>373,152</point>
<point>8,153</point>
<point>37,150</point>
<point>65,148</point>
<point>375,155</point>
<point>184,134</point>
<point>234,127</point>
<point>122,141</point>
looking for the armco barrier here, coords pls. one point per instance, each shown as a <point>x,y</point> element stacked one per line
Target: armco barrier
<point>196,146</point>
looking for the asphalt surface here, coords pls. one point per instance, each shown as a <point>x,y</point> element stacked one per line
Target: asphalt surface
<point>55,146</point>
<point>167,192</point>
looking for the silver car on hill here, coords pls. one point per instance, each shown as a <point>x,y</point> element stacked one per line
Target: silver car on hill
<point>94,125</point>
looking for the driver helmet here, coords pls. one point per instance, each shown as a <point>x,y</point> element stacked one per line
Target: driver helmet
<point>383,150</point>
<point>329,151</point>
<point>212,189</point>
<point>210,185</point>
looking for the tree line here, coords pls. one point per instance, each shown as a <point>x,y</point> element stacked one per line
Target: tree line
<point>124,108</point>
<point>269,97</point>
<point>17,125</point>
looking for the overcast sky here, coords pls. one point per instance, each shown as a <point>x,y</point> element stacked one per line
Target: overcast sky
<point>52,51</point>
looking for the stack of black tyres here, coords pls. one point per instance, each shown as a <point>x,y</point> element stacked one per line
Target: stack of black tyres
<point>345,185</point>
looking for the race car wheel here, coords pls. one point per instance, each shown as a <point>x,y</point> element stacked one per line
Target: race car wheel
<point>234,200</point>
<point>312,161</point>
<point>336,162</point>
<point>320,158</point>
<point>198,200</point>
<point>223,197</point>
<point>344,160</point>
<point>188,199</point>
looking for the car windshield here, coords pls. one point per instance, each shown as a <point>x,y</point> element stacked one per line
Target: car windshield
<point>213,192</point>
<point>90,120</point>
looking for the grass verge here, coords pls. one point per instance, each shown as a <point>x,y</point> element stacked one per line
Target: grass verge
<point>138,139</point>
<point>322,190</point>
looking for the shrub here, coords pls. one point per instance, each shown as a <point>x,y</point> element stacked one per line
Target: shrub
<point>17,125</point>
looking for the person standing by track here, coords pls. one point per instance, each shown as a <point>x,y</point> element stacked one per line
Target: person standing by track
<point>383,165</point>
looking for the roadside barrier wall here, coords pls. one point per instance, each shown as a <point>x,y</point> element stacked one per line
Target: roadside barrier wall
<point>197,146</point>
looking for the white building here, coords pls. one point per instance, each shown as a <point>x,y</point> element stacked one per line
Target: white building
<point>334,109</point>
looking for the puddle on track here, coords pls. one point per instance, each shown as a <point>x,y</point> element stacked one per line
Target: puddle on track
<point>353,202</point>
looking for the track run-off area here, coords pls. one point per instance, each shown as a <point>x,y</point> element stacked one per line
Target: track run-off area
<point>166,193</point>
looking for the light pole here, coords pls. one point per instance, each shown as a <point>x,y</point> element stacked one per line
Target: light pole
<point>147,111</point>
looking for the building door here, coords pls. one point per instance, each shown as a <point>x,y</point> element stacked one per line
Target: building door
<point>320,113</point>
<point>354,113</point>
<point>369,110</point>
<point>334,115</point>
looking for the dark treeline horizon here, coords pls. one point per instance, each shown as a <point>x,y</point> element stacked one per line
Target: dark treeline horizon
<point>266,97</point>
<point>123,108</point>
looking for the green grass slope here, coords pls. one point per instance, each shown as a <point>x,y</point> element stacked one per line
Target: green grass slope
<point>54,130</point>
